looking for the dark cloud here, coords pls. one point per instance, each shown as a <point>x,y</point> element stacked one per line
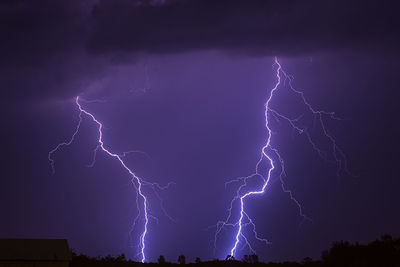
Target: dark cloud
<point>33,32</point>
<point>55,48</point>
<point>250,26</point>
<point>41,48</point>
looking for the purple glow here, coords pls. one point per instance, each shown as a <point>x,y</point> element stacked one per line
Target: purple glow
<point>135,179</point>
<point>263,151</point>
<point>268,152</point>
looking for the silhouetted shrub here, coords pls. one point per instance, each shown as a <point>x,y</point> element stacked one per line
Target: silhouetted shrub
<point>229,258</point>
<point>182,259</point>
<point>161,259</point>
<point>250,258</point>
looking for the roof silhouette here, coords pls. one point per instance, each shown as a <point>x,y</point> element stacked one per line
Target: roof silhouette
<point>34,249</point>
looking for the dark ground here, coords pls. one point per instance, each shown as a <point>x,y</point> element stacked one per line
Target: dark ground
<point>382,252</point>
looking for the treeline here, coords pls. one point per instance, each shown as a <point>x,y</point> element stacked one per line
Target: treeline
<point>384,252</point>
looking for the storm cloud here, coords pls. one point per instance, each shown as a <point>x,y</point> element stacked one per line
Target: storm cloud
<point>255,26</point>
<point>60,47</point>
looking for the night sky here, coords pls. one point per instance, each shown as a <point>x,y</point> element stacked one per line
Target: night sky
<point>185,82</point>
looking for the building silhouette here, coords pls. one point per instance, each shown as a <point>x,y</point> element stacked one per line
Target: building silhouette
<point>34,253</point>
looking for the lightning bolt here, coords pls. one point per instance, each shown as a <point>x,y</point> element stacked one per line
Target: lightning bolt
<point>137,182</point>
<point>271,156</point>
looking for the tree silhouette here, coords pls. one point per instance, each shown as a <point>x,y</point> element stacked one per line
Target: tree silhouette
<point>306,260</point>
<point>253,258</point>
<point>229,258</point>
<point>161,259</point>
<point>182,259</point>
<point>246,258</point>
<point>383,252</point>
<point>198,260</point>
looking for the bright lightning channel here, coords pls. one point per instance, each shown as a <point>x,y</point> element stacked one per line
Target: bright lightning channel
<point>268,153</point>
<point>137,182</point>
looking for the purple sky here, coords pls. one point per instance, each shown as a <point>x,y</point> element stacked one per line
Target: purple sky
<point>186,82</point>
